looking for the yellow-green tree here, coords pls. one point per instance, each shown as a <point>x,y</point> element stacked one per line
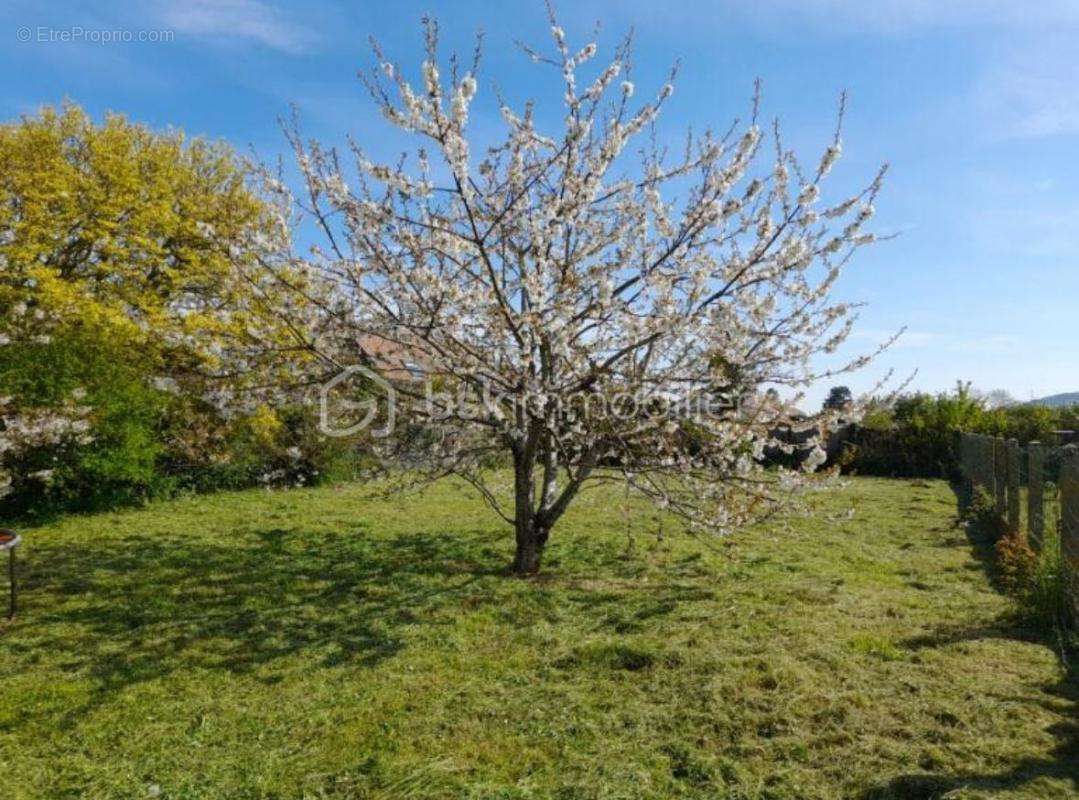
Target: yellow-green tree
<point>148,235</point>
<point>129,275</point>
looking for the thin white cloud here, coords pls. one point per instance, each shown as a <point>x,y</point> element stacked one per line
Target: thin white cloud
<point>998,344</point>
<point>1033,91</point>
<point>941,342</point>
<point>904,16</point>
<point>823,18</point>
<point>1028,83</point>
<point>238,19</point>
<point>1022,215</point>
<point>909,340</point>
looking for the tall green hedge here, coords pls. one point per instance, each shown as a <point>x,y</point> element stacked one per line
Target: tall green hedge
<point>915,436</point>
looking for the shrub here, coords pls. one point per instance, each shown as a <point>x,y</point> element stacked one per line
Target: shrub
<point>1037,579</point>
<point>269,447</point>
<point>1044,597</point>
<point>1016,562</point>
<point>127,277</point>
<point>118,462</point>
<point>916,434</point>
<point>980,510</point>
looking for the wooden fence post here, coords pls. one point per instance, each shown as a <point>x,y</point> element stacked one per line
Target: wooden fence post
<point>1000,478</point>
<point>966,476</point>
<point>977,448</point>
<point>1011,452</point>
<point>1069,524</point>
<point>1035,494</point>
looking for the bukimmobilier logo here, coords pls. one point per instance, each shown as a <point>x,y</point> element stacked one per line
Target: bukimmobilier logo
<point>353,399</point>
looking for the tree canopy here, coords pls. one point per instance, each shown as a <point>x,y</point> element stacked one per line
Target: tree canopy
<point>147,235</point>
<point>128,287</point>
<point>585,296</point>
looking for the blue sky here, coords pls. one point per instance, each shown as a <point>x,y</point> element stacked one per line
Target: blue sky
<point>975,103</point>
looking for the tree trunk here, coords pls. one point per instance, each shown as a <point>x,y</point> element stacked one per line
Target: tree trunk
<point>531,539</point>
<point>530,534</point>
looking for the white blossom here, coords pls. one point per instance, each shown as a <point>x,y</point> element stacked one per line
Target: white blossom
<point>551,273</point>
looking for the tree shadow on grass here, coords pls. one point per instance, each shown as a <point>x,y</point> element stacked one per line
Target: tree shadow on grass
<point>1061,764</point>
<point>131,608</point>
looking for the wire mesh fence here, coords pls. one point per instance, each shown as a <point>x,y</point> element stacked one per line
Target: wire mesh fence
<point>1032,493</point>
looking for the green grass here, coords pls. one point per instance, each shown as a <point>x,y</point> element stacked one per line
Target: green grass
<point>320,644</point>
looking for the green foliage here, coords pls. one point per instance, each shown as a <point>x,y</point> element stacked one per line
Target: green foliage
<point>273,447</point>
<point>1028,423</point>
<point>128,279</point>
<point>1047,595</point>
<point>981,512</point>
<point>138,233</point>
<point>915,436</point>
<point>839,398</point>
<point>1038,578</point>
<point>1017,563</point>
<point>119,463</point>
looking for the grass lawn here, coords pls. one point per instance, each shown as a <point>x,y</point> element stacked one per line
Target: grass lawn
<point>319,644</point>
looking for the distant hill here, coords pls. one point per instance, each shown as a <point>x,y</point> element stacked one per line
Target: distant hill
<point>1057,400</point>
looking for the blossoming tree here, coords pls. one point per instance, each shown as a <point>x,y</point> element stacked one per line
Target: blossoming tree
<point>591,299</point>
